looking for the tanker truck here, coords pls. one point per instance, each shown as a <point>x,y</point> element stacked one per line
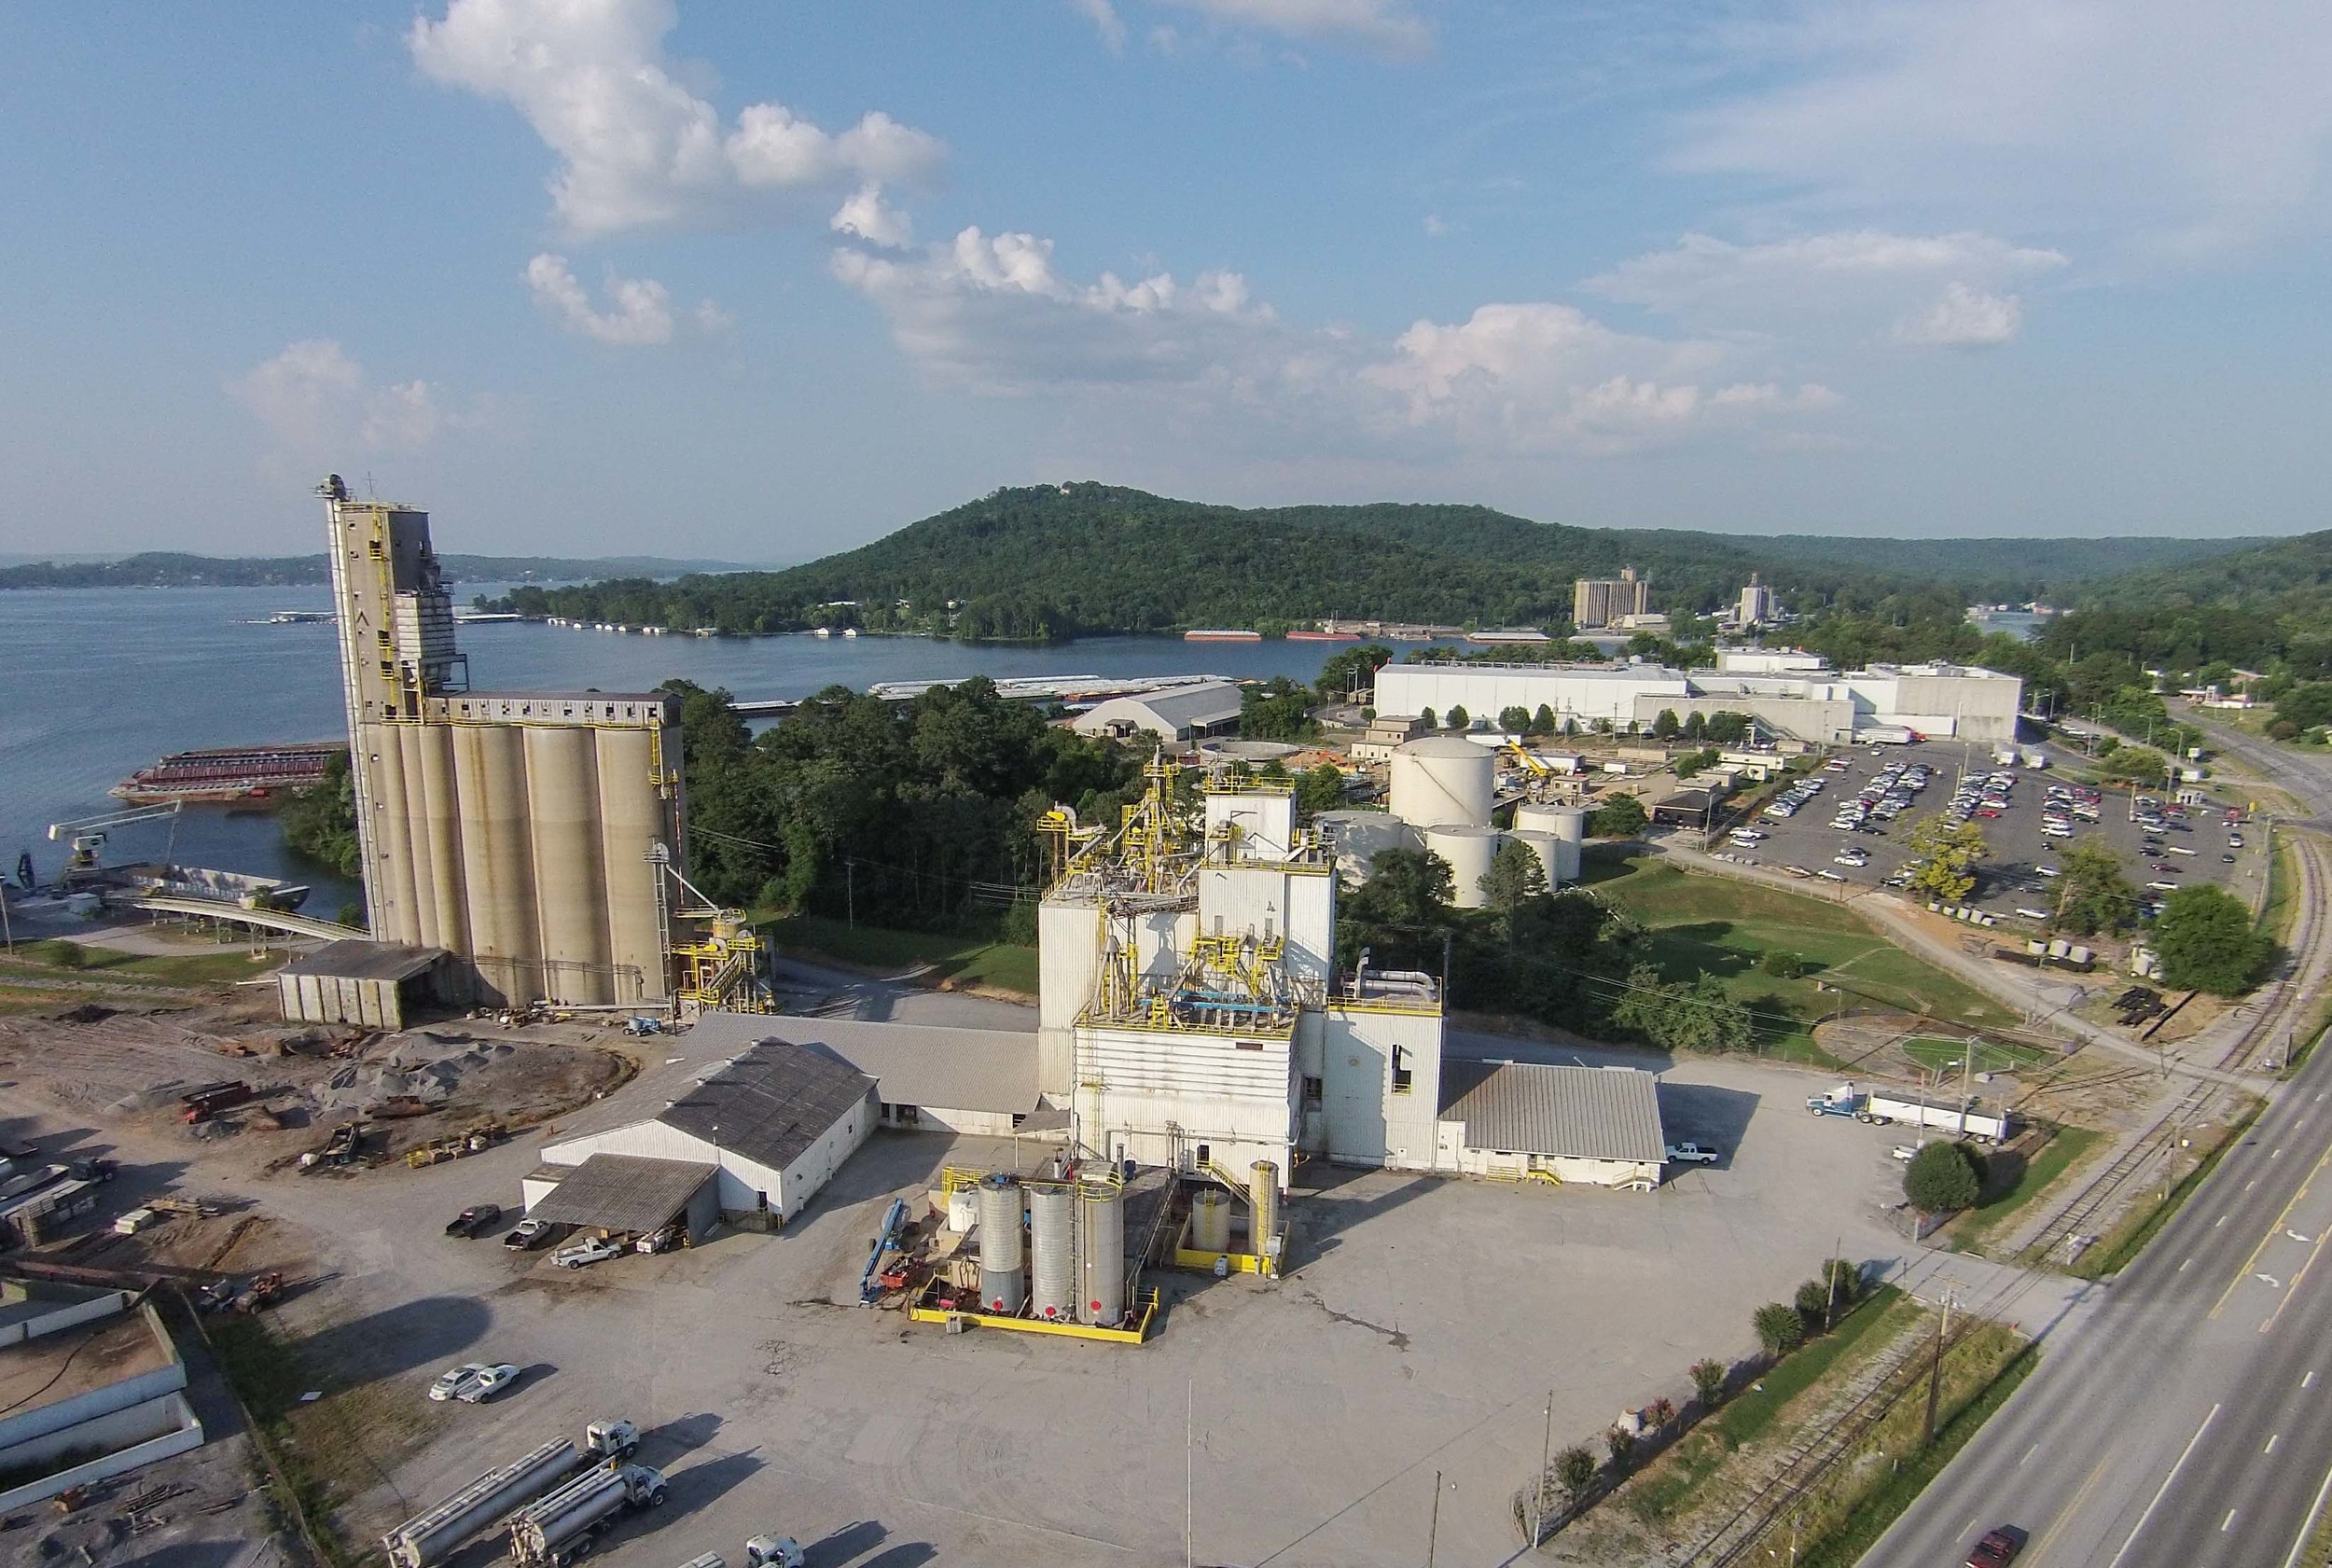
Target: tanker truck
<point>430,1537</point>
<point>566,1524</point>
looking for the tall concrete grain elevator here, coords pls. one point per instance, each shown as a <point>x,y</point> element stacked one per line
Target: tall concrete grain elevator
<point>530,832</point>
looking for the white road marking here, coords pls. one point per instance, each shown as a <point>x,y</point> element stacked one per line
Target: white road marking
<point>2308,1382</point>
<point>2184,1267</point>
<point>2252,1183</point>
<point>2314,1513</point>
<point>2217,1223</point>
<point>2269,1281</point>
<point>2146,1517</point>
<point>2227,1520</point>
<point>2275,1153</point>
<point>2271,1439</point>
<point>2030,1452</point>
<point>2295,1235</point>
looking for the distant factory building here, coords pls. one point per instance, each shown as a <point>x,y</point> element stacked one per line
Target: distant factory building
<point>1599,602</point>
<point>771,1127</point>
<point>1594,1125</point>
<point>528,833</point>
<point>1179,715</point>
<point>1759,605</point>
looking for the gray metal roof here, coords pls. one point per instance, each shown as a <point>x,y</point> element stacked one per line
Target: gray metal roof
<point>622,1192</point>
<point>770,1103</point>
<point>351,958</point>
<point>944,1068</point>
<point>1214,704</point>
<point>1577,1113</point>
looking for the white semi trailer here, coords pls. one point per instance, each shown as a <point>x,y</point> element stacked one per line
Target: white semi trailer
<point>566,1524</point>
<point>1964,1119</point>
<point>430,1537</point>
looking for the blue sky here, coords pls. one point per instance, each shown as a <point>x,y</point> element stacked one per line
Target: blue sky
<point>764,281</point>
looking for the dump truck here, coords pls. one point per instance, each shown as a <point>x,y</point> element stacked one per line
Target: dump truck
<point>567,1524</point>
<point>432,1536</point>
<point>1963,1118</point>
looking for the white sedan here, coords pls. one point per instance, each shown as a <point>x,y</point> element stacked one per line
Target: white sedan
<point>454,1379</point>
<point>490,1382</point>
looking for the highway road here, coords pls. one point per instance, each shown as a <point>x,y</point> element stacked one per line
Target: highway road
<point>2186,1418</point>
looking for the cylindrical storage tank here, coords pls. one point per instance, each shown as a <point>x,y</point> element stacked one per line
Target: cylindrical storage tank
<point>1439,780</point>
<point>631,819</point>
<point>430,754</point>
<point>1546,847</point>
<point>389,875</point>
<point>1357,838</point>
<point>1102,1256</point>
<point>1567,823</point>
<point>1052,1244</point>
<point>570,875</point>
<point>1210,1220</point>
<point>1469,851</point>
<point>962,1210</point>
<point>1263,1207</point>
<point>408,741</point>
<point>1003,1278</point>
<point>498,859</point>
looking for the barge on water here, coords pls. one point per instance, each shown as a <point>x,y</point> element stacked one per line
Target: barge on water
<point>230,773</point>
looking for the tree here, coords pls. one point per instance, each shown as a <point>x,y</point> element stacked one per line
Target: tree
<point>1781,965</point>
<point>1515,719</point>
<point>2139,765</point>
<point>1727,729</point>
<point>1663,1412</point>
<point>1941,1178</point>
<point>1622,816</point>
<point>1696,724</point>
<point>1543,721</point>
<point>1276,710</point>
<point>1620,1444</point>
<point>1516,879</point>
<point>1846,1281</point>
<point>1574,1471</point>
<point>1812,1301</point>
<point>1664,727</point>
<point>1427,719</point>
<point>1350,672</point>
<point>1780,1329</point>
<point>2093,893</point>
<point>1459,718</point>
<point>1708,1381</point>
<point>1701,1015</point>
<point>2207,942</point>
<point>1319,789</point>
<point>1948,853</point>
<point>320,822</point>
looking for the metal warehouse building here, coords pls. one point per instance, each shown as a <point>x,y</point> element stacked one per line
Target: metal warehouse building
<point>1181,715</point>
<point>374,984</point>
<point>928,1077</point>
<point>1595,1124</point>
<point>770,1126</point>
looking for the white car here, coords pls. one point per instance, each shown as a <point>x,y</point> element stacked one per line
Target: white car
<point>454,1379</point>
<point>1830,875</point>
<point>1905,1153</point>
<point>490,1382</point>
<point>1691,1154</point>
<point>1857,861</point>
<point>582,1254</point>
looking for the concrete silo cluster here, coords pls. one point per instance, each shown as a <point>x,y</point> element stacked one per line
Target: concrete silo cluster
<point>1442,792</point>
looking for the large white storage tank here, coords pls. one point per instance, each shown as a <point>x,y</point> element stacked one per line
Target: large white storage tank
<point>1469,851</point>
<point>1443,780</point>
<point>1566,825</point>
<point>1357,838</point>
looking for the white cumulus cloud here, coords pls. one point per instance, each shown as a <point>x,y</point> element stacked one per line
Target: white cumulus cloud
<point>318,405</point>
<point>1106,21</point>
<point>1964,318</point>
<point>867,216</point>
<point>637,145</point>
<point>1386,27</point>
<point>639,314</point>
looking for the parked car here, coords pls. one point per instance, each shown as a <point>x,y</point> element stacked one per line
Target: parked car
<point>527,1235</point>
<point>490,1382</point>
<point>473,1219</point>
<point>583,1254</point>
<point>664,1239</point>
<point>1691,1154</point>
<point>454,1379</point>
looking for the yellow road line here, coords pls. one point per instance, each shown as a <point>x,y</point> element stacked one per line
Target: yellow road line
<point>2294,1288</point>
<point>2040,1548</point>
<point>2273,1231</point>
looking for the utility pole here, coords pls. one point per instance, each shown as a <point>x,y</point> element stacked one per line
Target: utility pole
<point>1189,1489</point>
<point>850,893</point>
<point>1433,1528</point>
<point>1934,1372</point>
<point>1545,1460</point>
<point>1829,1309</point>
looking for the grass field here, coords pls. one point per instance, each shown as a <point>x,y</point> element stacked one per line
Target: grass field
<point>222,967</point>
<point>1703,925</point>
<point>2034,1176</point>
<point>2282,906</point>
<point>1941,1053</point>
<point>966,960</point>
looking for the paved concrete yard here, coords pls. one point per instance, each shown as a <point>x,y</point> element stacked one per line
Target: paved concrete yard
<point>2010,879</point>
<point>1422,1330</point>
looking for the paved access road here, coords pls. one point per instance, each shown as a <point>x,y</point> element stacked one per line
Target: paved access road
<point>2186,1420</point>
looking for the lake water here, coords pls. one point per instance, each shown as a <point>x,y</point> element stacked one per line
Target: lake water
<point>97,682</point>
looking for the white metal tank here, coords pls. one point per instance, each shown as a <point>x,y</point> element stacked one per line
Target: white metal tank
<point>1357,838</point>
<point>962,1210</point>
<point>1263,1207</point>
<point>1102,1254</point>
<point>1440,780</point>
<point>1003,1278</point>
<point>1210,1220</point>
<point>1567,823</point>
<point>1546,847</point>
<point>1052,1253</point>
<point>1469,851</point>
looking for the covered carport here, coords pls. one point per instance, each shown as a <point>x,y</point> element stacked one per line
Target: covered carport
<point>625,1194</point>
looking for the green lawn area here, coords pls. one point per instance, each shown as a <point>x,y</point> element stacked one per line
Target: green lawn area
<point>1705,924</point>
<point>2282,906</point>
<point>2064,1148</point>
<point>1941,1053</point>
<point>966,960</point>
<point>221,967</point>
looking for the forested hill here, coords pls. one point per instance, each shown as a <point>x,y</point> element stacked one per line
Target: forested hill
<point>172,569</point>
<point>1060,560</point>
<point>2294,574</point>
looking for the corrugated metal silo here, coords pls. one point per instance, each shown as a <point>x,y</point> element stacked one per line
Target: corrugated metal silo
<point>498,859</point>
<point>429,752</point>
<point>1052,1251</point>
<point>1210,1220</point>
<point>1102,1254</point>
<point>392,847</point>
<point>1003,1278</point>
<point>631,819</point>
<point>570,875</point>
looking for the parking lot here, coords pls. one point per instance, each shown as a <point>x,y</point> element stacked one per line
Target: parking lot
<point>1422,1329</point>
<point>2016,822</point>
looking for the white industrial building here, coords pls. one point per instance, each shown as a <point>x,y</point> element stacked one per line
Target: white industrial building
<point>1177,716</point>
<point>930,1078</point>
<point>1600,1126</point>
<point>765,1129</point>
<point>1792,694</point>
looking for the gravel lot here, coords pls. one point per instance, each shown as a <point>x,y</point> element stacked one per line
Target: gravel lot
<point>2010,879</point>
